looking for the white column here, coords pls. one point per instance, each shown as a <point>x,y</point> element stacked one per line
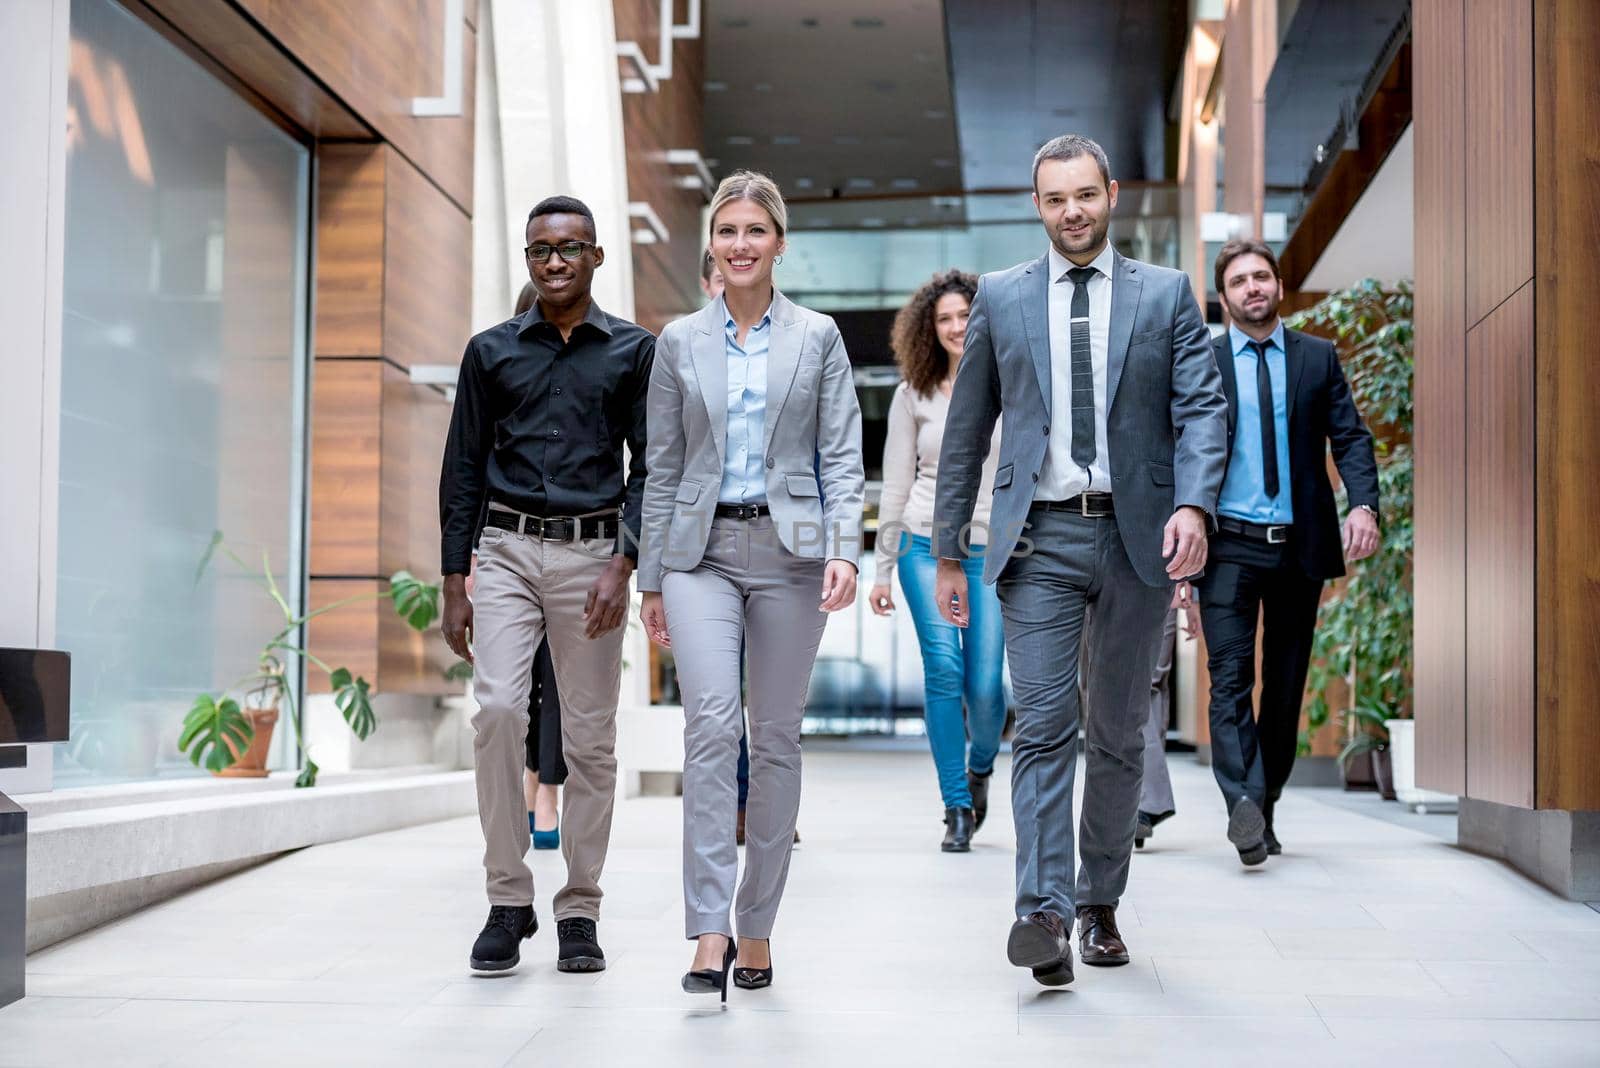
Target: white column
<point>33,76</point>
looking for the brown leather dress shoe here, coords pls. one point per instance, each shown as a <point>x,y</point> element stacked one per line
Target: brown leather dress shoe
<point>1099,941</point>
<point>1041,942</point>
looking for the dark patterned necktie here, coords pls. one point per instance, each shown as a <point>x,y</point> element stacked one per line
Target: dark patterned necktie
<point>1083,450</point>
<point>1269,419</point>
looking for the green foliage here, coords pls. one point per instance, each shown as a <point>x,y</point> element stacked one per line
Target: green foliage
<point>460,671</point>
<point>211,718</point>
<point>208,728</point>
<point>1364,628</point>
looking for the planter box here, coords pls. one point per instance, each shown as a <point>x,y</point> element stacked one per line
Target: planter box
<point>1403,749</point>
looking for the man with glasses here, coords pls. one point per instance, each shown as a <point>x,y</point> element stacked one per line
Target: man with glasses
<point>533,471</point>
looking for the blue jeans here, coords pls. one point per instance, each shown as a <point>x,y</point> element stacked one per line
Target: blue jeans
<point>957,664</point>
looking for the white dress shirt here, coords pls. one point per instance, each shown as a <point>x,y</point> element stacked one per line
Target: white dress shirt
<point>1060,477</point>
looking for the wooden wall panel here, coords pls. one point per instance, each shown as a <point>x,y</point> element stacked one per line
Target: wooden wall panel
<point>1439,43</point>
<point>377,56</point>
<point>346,398</point>
<point>1499,151</point>
<point>1500,554</point>
<point>427,269</point>
<point>1567,215</point>
<point>345,636</point>
<point>350,249</point>
<point>666,275</point>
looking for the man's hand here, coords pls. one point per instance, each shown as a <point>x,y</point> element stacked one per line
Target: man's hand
<point>1360,534</point>
<point>653,614</point>
<point>880,599</point>
<point>1183,543</point>
<point>950,592</point>
<point>1183,600</point>
<point>838,585</point>
<point>457,619</point>
<point>607,604</point>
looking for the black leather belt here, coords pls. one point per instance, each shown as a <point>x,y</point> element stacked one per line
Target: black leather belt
<point>742,511</point>
<point>1275,534</point>
<point>555,528</point>
<point>1089,505</point>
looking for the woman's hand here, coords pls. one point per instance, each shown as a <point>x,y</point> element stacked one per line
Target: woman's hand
<point>653,614</point>
<point>880,599</point>
<point>838,585</point>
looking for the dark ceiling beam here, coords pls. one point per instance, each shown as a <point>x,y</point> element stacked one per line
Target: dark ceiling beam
<point>1385,118</point>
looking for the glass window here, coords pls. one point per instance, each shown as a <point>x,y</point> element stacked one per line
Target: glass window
<point>182,386</point>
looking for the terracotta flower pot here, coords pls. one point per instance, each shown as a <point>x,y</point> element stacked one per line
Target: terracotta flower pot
<point>253,763</point>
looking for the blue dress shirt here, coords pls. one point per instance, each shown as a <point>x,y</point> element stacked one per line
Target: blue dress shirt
<point>1244,494</point>
<point>744,474</point>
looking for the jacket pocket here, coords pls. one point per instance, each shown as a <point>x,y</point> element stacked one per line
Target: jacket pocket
<point>688,492</point>
<point>1160,473</point>
<point>1002,477</point>
<point>801,485</point>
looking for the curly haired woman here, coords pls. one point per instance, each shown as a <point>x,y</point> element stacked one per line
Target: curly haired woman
<point>958,666</point>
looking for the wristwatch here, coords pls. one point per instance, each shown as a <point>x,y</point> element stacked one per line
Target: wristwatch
<point>1369,508</point>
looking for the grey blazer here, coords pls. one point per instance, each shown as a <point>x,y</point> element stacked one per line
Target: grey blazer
<point>1166,424</point>
<point>813,432</point>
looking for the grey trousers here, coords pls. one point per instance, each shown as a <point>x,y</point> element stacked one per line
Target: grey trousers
<point>526,589</point>
<point>748,587</point>
<point>1077,563</point>
<point>1155,789</point>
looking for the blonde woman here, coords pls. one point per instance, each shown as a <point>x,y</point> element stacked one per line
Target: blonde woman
<point>752,519</point>
<point>961,668</point>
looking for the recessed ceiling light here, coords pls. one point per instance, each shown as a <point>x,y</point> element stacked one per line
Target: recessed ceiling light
<point>846,139</point>
<point>904,183</point>
<point>716,87</point>
<point>740,139</point>
<point>803,183</point>
<point>860,183</point>
<point>872,224</point>
<point>786,139</point>
<point>867,24</point>
<point>943,163</point>
<point>936,113</point>
<point>762,87</point>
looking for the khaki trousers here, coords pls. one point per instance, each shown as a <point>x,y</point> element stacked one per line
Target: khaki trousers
<point>527,588</point>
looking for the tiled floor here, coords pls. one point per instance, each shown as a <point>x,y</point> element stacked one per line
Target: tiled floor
<point>1366,941</point>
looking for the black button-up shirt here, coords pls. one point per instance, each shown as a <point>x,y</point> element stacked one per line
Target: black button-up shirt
<point>539,425</point>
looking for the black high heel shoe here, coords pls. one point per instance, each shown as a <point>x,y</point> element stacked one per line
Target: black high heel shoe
<point>709,981</point>
<point>754,978</point>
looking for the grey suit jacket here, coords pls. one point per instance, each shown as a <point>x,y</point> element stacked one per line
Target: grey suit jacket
<point>813,434</point>
<point>1166,424</point>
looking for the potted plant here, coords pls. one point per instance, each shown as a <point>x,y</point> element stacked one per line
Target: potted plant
<point>233,739</point>
<point>1363,631</point>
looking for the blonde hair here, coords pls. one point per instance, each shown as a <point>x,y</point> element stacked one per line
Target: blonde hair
<point>752,186</point>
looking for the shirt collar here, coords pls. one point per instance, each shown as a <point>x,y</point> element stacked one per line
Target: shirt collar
<point>1239,339</point>
<point>596,318</point>
<point>727,317</point>
<point>1060,265</point>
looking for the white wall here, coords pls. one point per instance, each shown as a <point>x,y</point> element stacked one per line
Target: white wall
<point>33,77</point>
<point>549,122</point>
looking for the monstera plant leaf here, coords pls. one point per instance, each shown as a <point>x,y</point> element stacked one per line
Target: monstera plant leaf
<point>417,602</point>
<point>209,728</point>
<point>353,697</point>
<point>308,775</point>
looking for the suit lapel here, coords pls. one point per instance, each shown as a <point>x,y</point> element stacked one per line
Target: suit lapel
<point>783,360</point>
<point>1223,347</point>
<point>1125,287</point>
<point>1294,362</point>
<point>1034,292</point>
<point>708,351</point>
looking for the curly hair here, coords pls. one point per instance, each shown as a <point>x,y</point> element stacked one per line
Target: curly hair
<point>921,358</point>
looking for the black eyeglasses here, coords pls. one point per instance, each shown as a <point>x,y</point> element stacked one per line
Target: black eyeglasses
<point>569,250</point>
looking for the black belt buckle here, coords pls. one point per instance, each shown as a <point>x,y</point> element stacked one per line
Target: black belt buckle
<point>1277,535</point>
<point>1095,507</point>
<point>557,530</point>
<point>740,511</point>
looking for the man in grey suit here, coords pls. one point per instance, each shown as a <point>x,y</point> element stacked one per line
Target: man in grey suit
<point>1111,459</point>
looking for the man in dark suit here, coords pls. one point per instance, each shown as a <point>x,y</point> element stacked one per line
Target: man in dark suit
<point>1278,537</point>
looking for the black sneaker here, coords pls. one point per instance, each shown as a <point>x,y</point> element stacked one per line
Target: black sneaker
<point>496,949</point>
<point>580,952</point>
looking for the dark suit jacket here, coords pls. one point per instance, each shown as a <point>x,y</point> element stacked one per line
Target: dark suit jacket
<point>1321,413</point>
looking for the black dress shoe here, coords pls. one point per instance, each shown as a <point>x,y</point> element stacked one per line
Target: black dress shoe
<point>978,786</point>
<point>957,830</point>
<point>1145,826</point>
<point>1039,942</point>
<point>712,980</point>
<point>497,948</point>
<point>1274,847</point>
<point>754,978</point>
<point>1247,830</point>
<point>580,951</point>
<point>1099,941</point>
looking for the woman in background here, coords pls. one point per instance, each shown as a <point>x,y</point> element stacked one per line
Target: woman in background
<point>957,665</point>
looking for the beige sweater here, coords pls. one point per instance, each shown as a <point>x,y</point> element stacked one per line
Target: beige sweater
<point>911,472</point>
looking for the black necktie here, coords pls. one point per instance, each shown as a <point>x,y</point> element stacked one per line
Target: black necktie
<point>1269,419</point>
<point>1083,450</point>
